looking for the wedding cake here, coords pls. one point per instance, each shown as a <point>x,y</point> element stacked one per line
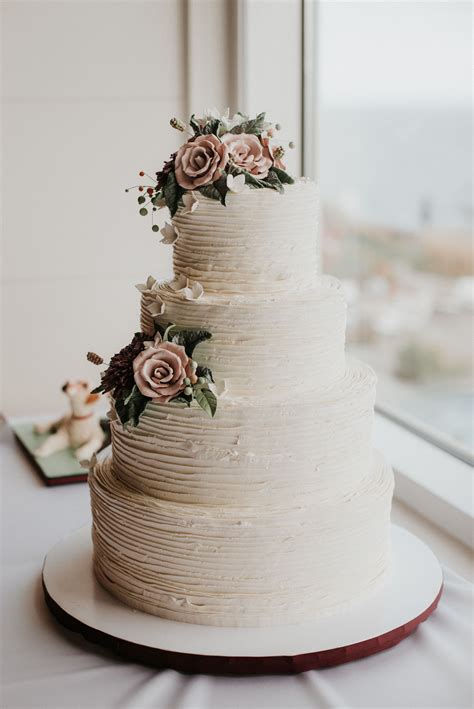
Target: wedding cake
<point>242,489</point>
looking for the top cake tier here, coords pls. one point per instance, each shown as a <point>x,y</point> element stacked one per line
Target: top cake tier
<point>261,241</point>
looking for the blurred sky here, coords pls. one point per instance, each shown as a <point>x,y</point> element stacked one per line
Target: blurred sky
<point>404,51</point>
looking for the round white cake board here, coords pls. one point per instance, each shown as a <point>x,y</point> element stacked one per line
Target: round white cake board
<point>409,595</point>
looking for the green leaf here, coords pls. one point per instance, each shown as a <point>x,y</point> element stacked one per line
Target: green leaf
<point>159,329</point>
<point>190,339</point>
<point>283,176</point>
<point>204,372</point>
<point>122,411</point>
<point>206,400</point>
<point>172,193</point>
<point>210,191</point>
<point>157,196</point>
<point>211,127</point>
<point>195,125</point>
<point>136,407</point>
<point>254,125</point>
<point>221,187</point>
<point>255,182</point>
<point>181,399</point>
<point>130,406</point>
<point>166,333</point>
<point>217,190</point>
<point>98,390</point>
<point>273,180</point>
<point>127,398</point>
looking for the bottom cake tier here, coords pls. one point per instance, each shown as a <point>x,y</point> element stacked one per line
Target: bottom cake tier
<point>225,566</point>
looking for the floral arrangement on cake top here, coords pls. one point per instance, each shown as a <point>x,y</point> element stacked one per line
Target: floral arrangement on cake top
<point>157,370</point>
<point>222,154</point>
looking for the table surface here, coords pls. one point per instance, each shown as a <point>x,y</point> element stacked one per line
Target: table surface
<point>43,665</point>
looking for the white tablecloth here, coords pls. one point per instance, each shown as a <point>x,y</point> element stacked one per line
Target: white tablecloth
<point>47,666</point>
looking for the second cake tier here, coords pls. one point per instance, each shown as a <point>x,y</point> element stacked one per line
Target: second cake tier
<point>271,345</point>
<point>254,453</point>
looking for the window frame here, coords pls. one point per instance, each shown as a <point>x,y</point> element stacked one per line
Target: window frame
<point>425,464</point>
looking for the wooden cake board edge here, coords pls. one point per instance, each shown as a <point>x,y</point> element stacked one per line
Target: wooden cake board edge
<point>68,602</point>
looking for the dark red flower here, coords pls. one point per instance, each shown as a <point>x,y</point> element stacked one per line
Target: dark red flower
<point>162,176</point>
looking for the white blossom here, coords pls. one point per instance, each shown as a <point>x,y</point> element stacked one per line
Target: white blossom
<point>88,463</point>
<point>150,285</point>
<point>210,114</point>
<point>150,296</point>
<point>218,388</point>
<point>227,122</point>
<point>236,183</point>
<point>156,307</point>
<point>190,203</point>
<point>190,290</point>
<point>170,234</point>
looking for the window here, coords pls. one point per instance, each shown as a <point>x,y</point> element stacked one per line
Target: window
<point>392,82</point>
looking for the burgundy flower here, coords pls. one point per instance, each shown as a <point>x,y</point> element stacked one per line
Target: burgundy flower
<point>162,176</point>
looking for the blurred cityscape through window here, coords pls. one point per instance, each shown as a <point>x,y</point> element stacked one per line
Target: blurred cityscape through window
<point>395,172</point>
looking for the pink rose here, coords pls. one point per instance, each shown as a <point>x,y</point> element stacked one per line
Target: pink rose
<point>277,161</point>
<point>249,153</point>
<point>160,370</point>
<point>200,161</point>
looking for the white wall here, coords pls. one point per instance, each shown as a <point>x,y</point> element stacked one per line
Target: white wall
<point>269,80</point>
<point>88,88</point>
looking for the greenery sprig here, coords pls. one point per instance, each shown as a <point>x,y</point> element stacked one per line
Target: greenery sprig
<point>165,189</point>
<point>118,378</point>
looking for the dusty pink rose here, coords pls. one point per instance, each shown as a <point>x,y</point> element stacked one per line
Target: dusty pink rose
<point>200,161</point>
<point>249,153</point>
<point>277,161</point>
<point>160,370</point>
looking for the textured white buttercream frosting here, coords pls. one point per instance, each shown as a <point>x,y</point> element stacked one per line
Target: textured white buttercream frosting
<point>269,344</point>
<point>254,453</point>
<point>260,240</point>
<point>220,565</point>
<point>275,511</point>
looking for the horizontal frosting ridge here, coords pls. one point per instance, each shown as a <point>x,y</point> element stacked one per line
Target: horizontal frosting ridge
<point>301,332</point>
<point>206,564</point>
<point>259,240</point>
<point>247,453</point>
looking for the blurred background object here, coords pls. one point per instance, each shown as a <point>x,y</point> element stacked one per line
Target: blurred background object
<point>88,91</point>
<point>377,97</point>
<point>394,162</point>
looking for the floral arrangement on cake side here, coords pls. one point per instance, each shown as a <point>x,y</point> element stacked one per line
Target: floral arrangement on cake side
<point>222,154</point>
<point>157,369</point>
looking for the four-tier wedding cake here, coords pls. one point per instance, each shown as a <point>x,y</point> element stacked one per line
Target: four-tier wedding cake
<point>242,489</point>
